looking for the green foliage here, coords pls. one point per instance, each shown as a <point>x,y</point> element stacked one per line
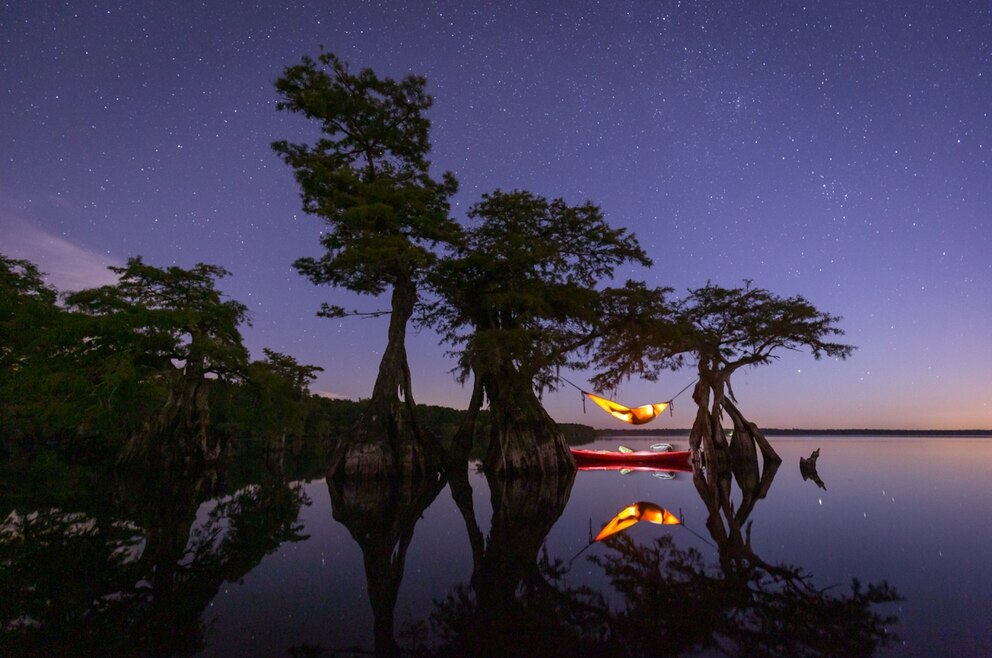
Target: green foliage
<point>271,401</point>
<point>86,375</point>
<point>722,329</point>
<point>153,318</point>
<point>639,334</point>
<point>41,391</point>
<point>367,176</point>
<point>746,325</point>
<point>521,287</point>
<point>26,304</point>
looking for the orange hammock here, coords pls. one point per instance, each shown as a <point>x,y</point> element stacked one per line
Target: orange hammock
<point>642,511</point>
<point>635,416</point>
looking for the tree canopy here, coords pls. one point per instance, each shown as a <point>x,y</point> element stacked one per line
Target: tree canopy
<point>522,285</point>
<point>167,318</point>
<point>167,328</point>
<point>720,329</point>
<point>367,176</point>
<point>518,299</point>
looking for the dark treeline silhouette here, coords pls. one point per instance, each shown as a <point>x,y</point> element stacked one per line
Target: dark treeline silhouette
<point>152,370</point>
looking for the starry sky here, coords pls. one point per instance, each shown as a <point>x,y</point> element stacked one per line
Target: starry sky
<point>839,150</point>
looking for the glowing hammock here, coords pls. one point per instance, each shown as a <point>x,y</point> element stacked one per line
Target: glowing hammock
<point>642,511</point>
<point>635,416</point>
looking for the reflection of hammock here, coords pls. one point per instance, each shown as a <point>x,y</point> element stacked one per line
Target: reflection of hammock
<point>633,415</point>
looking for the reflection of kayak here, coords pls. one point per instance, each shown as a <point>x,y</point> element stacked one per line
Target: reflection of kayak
<point>609,459</point>
<point>638,468</point>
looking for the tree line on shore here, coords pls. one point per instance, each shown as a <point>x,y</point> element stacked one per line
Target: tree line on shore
<point>157,357</point>
<point>518,290</point>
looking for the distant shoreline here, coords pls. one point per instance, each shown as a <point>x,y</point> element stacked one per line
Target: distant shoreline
<point>806,432</point>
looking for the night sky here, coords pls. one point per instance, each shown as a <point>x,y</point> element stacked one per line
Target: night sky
<point>838,150</point>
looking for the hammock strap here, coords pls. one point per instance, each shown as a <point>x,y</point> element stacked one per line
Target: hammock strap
<point>582,393</point>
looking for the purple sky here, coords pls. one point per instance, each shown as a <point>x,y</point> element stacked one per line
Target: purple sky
<point>838,150</point>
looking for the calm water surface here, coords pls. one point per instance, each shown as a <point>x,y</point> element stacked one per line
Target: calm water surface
<point>912,513</point>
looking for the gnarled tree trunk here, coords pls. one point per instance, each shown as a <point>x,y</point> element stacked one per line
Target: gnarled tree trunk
<point>707,428</point>
<point>524,440</point>
<point>746,436</point>
<point>387,441</point>
<point>180,432</point>
<point>461,443</point>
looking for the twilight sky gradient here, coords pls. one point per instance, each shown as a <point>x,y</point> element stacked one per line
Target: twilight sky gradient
<point>839,150</point>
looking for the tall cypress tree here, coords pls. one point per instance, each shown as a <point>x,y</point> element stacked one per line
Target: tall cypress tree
<point>367,178</point>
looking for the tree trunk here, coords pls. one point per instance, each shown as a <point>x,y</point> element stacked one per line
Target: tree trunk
<point>461,443</point>
<point>751,432</point>
<point>707,428</point>
<point>180,432</point>
<point>524,439</point>
<point>387,442</point>
<point>743,459</point>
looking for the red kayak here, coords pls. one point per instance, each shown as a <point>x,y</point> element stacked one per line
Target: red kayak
<point>609,458</point>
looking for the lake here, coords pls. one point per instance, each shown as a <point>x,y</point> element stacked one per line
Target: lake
<point>277,569</point>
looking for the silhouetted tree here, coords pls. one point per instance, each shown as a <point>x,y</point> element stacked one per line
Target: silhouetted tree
<point>167,328</point>
<point>367,177</point>
<point>721,330</point>
<point>271,402</point>
<point>519,299</point>
<point>29,394</point>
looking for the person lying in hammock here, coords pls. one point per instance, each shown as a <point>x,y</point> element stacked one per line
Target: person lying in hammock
<point>633,415</point>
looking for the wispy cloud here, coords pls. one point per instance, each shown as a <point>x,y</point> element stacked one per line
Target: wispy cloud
<point>68,267</point>
<point>331,396</point>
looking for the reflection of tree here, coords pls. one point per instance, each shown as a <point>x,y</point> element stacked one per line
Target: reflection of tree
<point>381,515</point>
<point>671,601</point>
<point>516,603</point>
<point>134,589</point>
<point>676,604</point>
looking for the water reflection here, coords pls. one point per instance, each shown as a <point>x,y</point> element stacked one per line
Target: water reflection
<point>515,593</point>
<point>807,468</point>
<point>135,582</point>
<point>381,515</point>
<point>662,599</point>
<point>135,575</point>
<point>674,603</point>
